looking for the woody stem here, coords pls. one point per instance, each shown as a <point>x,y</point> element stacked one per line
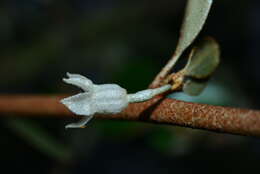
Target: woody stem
<point>157,110</point>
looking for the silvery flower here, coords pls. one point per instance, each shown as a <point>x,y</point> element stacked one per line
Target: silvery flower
<point>102,99</point>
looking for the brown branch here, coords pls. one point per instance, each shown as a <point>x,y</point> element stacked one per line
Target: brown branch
<point>157,110</point>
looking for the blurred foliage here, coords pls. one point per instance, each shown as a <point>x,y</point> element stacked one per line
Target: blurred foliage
<point>125,42</point>
<point>39,138</point>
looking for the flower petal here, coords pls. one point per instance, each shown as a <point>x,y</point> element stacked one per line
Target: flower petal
<point>79,81</point>
<point>79,104</point>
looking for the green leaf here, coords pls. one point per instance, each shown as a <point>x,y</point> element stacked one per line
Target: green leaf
<point>203,60</point>
<point>195,17</point>
<point>193,88</point>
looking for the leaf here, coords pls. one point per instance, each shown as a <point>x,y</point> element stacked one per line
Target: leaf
<point>193,88</point>
<point>203,60</point>
<point>195,17</point>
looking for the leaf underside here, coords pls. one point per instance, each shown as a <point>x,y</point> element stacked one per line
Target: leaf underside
<point>195,16</point>
<point>203,61</point>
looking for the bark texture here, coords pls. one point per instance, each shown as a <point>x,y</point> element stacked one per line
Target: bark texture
<point>157,110</point>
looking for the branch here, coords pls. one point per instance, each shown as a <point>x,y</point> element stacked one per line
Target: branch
<point>157,110</point>
<point>164,71</point>
<point>196,14</point>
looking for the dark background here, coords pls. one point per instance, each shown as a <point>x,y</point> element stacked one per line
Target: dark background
<point>125,42</point>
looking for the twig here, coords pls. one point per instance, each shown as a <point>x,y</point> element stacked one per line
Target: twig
<point>196,14</point>
<point>161,76</point>
<point>156,110</point>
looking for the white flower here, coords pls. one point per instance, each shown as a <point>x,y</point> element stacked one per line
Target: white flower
<point>102,99</point>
